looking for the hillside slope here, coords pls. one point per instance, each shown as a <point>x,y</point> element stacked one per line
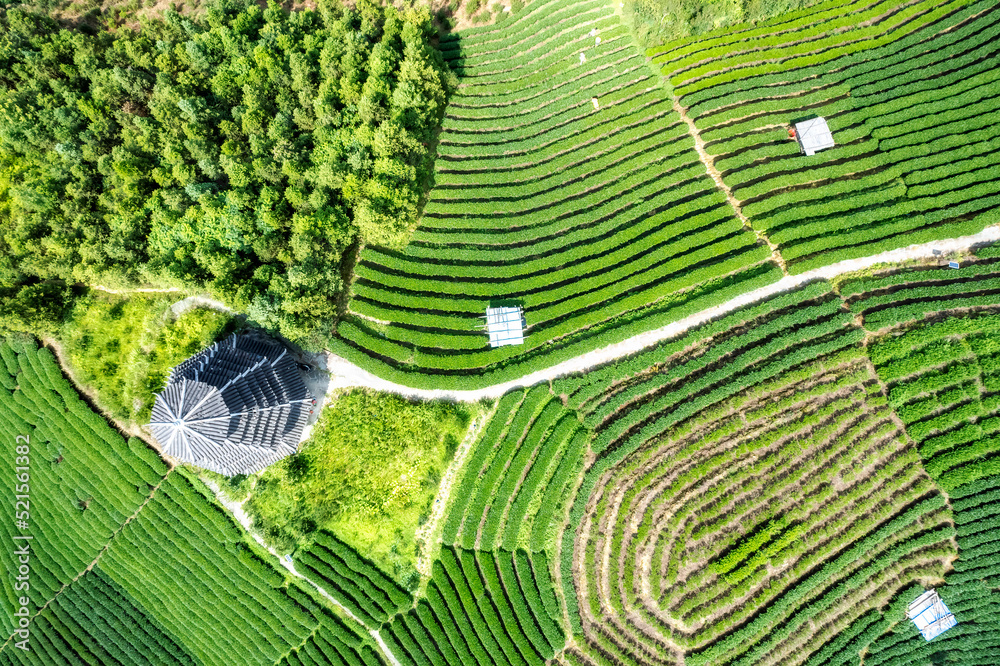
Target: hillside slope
<point>566,182</point>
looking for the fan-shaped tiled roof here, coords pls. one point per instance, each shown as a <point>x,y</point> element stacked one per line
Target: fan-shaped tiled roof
<point>234,408</point>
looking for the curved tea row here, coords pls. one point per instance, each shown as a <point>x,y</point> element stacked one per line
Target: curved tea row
<point>907,91</point>
<point>565,182</point>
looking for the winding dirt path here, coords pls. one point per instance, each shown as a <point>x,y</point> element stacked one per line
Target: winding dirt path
<point>344,374</point>
<point>198,301</point>
<point>108,290</point>
<point>236,509</point>
<point>429,534</point>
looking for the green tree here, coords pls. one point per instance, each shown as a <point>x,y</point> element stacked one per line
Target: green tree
<point>241,151</point>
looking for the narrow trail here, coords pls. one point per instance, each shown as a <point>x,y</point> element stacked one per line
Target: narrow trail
<point>428,534</point>
<point>167,290</point>
<point>198,301</point>
<point>709,162</point>
<point>344,374</point>
<point>236,508</point>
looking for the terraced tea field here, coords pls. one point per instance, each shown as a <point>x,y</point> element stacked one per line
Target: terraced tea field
<point>568,180</point>
<point>131,562</point>
<point>773,486</point>
<point>759,526</point>
<point>908,90</point>
<point>568,185</point>
<point>754,495</point>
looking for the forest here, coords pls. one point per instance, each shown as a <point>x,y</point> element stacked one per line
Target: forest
<point>246,151</point>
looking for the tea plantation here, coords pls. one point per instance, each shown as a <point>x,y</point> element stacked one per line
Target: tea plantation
<point>569,179</point>
<point>131,562</point>
<point>570,185</point>
<point>906,90</point>
<point>772,485</point>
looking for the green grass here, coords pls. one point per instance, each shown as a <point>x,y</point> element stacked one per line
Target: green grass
<point>122,348</point>
<point>368,473</point>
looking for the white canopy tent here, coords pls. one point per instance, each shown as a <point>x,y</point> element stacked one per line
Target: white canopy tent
<point>813,135</point>
<point>505,326</point>
<point>930,614</point>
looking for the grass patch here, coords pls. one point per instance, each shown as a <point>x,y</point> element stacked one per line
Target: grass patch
<point>122,347</point>
<point>368,473</point>
<point>657,21</point>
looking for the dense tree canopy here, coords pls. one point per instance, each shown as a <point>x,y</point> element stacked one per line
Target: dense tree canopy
<point>243,151</point>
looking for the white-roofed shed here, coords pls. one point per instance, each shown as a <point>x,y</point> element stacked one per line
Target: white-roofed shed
<point>930,614</point>
<point>505,325</point>
<point>813,135</point>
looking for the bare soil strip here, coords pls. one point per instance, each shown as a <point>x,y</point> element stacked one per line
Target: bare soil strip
<point>709,162</point>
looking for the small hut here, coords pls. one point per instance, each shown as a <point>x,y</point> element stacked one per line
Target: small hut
<point>505,325</point>
<point>930,614</point>
<point>813,135</point>
<point>233,408</point>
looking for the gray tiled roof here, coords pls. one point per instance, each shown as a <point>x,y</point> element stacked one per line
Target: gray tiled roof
<point>234,408</point>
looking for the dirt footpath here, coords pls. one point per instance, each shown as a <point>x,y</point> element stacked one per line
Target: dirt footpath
<point>344,374</point>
